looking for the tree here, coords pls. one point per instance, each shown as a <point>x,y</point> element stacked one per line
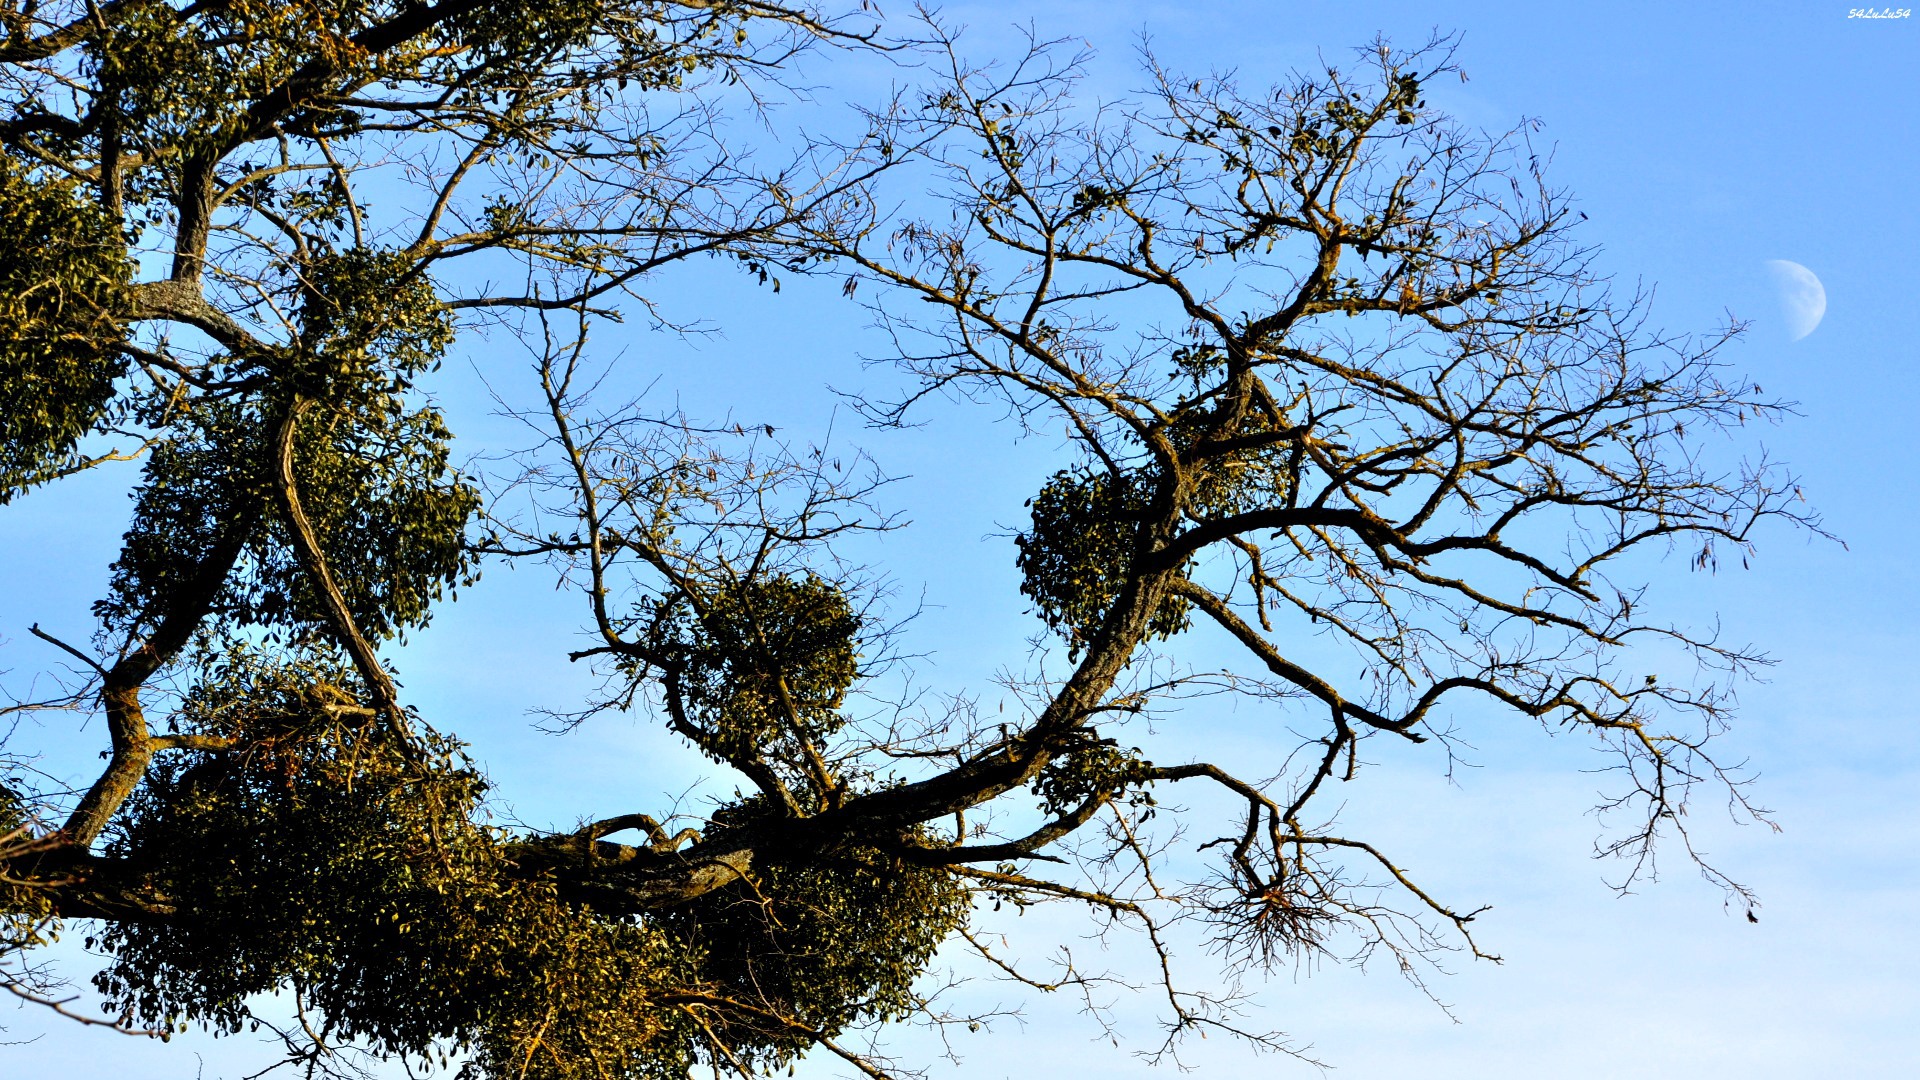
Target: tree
<point>1336,375</point>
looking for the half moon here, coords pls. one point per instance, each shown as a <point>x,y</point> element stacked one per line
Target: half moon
<point>1803,300</point>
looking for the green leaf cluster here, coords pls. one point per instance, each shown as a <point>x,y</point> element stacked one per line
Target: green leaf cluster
<point>64,276</point>
<point>1099,766</point>
<point>763,657</point>
<point>370,323</point>
<point>344,861</point>
<point>26,911</point>
<point>1075,557</point>
<point>388,509</point>
<point>326,853</point>
<point>1254,476</point>
<point>827,939</point>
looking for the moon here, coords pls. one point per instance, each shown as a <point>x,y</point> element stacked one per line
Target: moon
<point>1803,300</point>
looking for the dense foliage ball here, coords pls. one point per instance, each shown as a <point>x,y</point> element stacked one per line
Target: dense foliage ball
<point>764,657</point>
<point>346,860</point>
<point>826,939</point>
<point>1076,556</point>
<point>64,275</point>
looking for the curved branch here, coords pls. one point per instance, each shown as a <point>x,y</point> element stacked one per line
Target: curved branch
<point>313,561</point>
<point>1206,601</point>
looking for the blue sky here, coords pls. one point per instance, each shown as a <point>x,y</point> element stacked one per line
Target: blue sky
<point>1701,140</point>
